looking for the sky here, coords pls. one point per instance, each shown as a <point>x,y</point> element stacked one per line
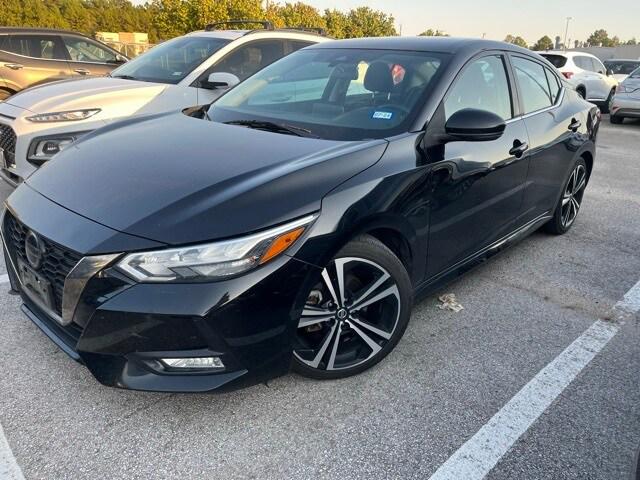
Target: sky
<point>530,19</point>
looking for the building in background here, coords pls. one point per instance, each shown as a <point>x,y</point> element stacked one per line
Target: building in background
<point>130,44</point>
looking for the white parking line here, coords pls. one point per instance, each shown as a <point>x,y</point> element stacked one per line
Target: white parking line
<point>631,301</point>
<point>9,469</point>
<point>475,459</point>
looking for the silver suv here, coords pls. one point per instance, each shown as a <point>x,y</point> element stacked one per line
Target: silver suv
<point>587,74</point>
<point>183,72</point>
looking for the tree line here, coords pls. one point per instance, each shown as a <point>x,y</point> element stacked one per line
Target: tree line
<point>164,19</point>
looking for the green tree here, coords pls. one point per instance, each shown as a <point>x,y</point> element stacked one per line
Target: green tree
<point>600,38</point>
<point>337,23</point>
<point>366,22</point>
<point>516,40</point>
<point>300,15</point>
<point>545,43</point>
<point>632,41</point>
<point>433,33</point>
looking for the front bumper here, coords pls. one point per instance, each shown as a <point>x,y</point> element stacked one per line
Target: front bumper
<point>121,327</point>
<point>625,105</point>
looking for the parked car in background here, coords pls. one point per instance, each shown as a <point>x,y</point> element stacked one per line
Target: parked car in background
<point>213,248</point>
<point>587,74</point>
<point>620,69</point>
<point>194,69</point>
<point>626,102</point>
<point>33,56</point>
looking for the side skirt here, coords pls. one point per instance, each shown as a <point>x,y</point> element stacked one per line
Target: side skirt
<point>447,276</point>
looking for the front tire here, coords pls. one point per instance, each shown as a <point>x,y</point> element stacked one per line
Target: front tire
<point>569,205</point>
<point>356,314</point>
<point>616,120</point>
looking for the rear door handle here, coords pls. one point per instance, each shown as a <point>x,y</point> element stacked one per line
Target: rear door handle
<point>14,66</point>
<point>574,125</point>
<point>519,148</point>
<point>82,71</point>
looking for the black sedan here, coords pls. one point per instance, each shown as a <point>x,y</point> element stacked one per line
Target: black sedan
<point>293,222</point>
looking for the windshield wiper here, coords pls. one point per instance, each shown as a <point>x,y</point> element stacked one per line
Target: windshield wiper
<point>274,127</point>
<point>126,77</point>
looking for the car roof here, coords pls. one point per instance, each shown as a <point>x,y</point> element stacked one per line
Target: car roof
<point>271,33</point>
<point>567,54</point>
<point>6,30</point>
<point>426,44</point>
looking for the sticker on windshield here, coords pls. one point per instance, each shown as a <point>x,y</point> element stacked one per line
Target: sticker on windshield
<point>382,115</point>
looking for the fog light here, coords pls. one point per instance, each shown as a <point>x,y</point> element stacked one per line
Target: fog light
<point>199,363</point>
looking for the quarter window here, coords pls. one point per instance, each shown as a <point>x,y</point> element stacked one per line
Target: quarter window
<point>482,85</point>
<point>534,87</point>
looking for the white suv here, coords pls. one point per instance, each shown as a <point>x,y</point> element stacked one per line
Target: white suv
<point>587,73</point>
<point>195,69</point>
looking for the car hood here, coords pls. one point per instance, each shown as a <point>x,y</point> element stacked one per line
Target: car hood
<point>178,179</point>
<point>632,82</point>
<point>116,97</point>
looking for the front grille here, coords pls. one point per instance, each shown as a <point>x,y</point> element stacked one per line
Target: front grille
<point>57,261</point>
<point>8,144</point>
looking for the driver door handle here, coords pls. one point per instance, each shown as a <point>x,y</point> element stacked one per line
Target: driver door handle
<point>14,66</point>
<point>82,71</point>
<point>574,125</point>
<point>519,148</point>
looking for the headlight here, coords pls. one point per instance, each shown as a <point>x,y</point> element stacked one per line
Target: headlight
<point>43,148</point>
<point>214,260</point>
<point>69,116</point>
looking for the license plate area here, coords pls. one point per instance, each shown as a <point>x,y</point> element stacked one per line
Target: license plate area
<point>36,286</point>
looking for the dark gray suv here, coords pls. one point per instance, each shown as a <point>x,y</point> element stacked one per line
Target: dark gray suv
<point>30,56</point>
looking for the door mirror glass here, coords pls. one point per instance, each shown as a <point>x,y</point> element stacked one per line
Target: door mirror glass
<point>121,59</point>
<point>222,80</point>
<point>473,125</point>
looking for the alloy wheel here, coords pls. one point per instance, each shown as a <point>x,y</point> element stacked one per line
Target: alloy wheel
<point>349,316</point>
<point>572,198</point>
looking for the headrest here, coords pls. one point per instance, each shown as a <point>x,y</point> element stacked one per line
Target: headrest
<point>379,78</point>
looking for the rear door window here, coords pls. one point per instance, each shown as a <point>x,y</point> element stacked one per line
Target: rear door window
<point>533,83</point>
<point>554,85</point>
<point>36,46</point>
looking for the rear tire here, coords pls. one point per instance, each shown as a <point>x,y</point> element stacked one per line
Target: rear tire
<point>356,314</point>
<point>569,204</point>
<point>605,107</point>
<point>616,120</point>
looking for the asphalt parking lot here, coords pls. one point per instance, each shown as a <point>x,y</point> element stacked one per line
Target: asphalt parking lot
<point>403,419</point>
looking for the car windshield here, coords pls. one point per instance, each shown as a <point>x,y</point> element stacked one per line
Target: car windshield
<point>340,94</point>
<point>557,61</point>
<point>622,68</point>
<point>171,61</point>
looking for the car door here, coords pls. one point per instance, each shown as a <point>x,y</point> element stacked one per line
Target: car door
<point>552,122</point>
<point>87,57</point>
<point>589,77</point>
<point>32,59</point>
<point>246,60</point>
<point>604,83</point>
<point>477,187</point>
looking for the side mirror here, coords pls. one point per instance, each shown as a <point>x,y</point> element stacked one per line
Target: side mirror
<point>222,80</point>
<point>609,72</point>
<point>121,59</point>
<point>474,125</point>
